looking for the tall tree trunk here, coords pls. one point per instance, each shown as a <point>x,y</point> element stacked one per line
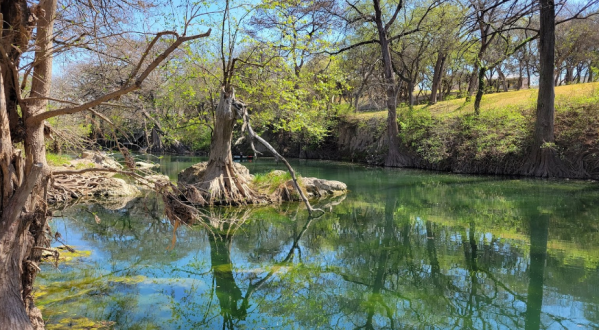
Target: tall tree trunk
<point>504,83</point>
<point>13,314</point>
<point>520,79</point>
<point>221,183</point>
<point>472,84</point>
<point>481,89</point>
<point>24,213</point>
<point>394,157</point>
<point>356,100</point>
<point>528,76</point>
<point>411,93</point>
<point>544,161</point>
<point>437,75</point>
<point>569,78</point>
<point>579,69</point>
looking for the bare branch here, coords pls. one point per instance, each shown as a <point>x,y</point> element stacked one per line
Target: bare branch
<point>123,90</point>
<point>373,41</point>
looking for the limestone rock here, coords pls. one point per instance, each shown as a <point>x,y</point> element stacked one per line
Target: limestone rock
<point>148,181</point>
<point>144,165</point>
<point>114,187</point>
<point>320,187</point>
<point>100,159</point>
<point>312,188</point>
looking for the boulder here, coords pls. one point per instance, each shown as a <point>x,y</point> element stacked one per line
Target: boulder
<point>114,187</point>
<point>145,166</point>
<point>100,159</point>
<point>195,173</point>
<point>312,188</point>
<point>148,181</point>
<point>320,187</point>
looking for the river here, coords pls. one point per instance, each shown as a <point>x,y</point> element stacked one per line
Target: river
<point>406,249</point>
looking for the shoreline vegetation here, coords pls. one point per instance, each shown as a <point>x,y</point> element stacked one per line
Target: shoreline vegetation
<point>449,137</point>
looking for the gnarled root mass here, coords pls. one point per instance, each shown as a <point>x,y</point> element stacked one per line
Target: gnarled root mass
<point>546,163</point>
<point>63,188</point>
<point>211,183</point>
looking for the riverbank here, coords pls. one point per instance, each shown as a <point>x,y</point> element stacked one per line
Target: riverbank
<point>448,136</point>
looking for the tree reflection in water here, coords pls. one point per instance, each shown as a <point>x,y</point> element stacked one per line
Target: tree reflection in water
<point>454,254</point>
<point>539,231</point>
<point>233,304</point>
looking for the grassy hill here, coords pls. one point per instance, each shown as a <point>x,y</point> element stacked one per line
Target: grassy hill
<point>565,96</point>
<point>448,136</point>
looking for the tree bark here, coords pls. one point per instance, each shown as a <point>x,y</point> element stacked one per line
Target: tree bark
<point>520,79</point>
<point>481,89</point>
<point>437,75</point>
<point>528,76</point>
<point>472,84</point>
<point>503,79</point>
<point>221,184</point>
<point>569,78</point>
<point>544,161</point>
<point>24,215</point>
<point>394,156</point>
<point>411,93</point>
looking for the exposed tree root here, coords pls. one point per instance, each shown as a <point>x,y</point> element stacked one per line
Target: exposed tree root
<point>395,159</point>
<point>546,163</point>
<point>221,183</point>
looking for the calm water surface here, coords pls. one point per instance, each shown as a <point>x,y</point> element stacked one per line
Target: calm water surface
<point>404,250</point>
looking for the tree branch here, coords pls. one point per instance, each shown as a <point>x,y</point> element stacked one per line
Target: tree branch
<point>373,41</point>
<point>123,90</point>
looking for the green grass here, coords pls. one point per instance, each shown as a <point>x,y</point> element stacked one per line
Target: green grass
<point>449,130</point>
<point>269,182</point>
<point>522,99</point>
<point>58,159</point>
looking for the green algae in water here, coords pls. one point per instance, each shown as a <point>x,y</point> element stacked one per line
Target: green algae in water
<point>80,323</point>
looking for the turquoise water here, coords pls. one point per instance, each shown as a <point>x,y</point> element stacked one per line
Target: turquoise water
<point>405,249</point>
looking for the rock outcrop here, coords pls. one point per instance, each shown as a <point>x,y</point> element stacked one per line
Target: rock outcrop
<point>147,182</point>
<point>322,188</point>
<point>114,187</point>
<point>145,166</point>
<point>98,159</point>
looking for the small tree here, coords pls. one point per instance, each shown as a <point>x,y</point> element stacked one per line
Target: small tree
<point>382,17</point>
